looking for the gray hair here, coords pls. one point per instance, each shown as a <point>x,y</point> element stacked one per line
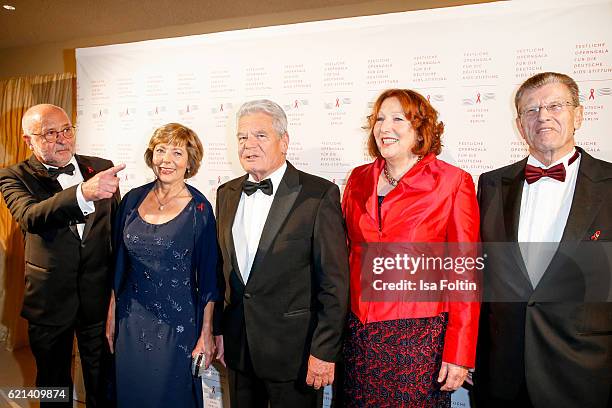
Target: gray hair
<point>279,119</point>
<point>545,78</point>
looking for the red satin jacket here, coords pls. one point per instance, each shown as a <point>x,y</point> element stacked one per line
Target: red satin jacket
<point>433,202</point>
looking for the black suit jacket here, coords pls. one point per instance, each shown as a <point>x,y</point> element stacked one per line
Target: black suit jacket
<point>65,276</point>
<point>295,301</point>
<point>557,337</point>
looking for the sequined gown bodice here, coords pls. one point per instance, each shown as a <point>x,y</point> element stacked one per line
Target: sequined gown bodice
<point>156,329</point>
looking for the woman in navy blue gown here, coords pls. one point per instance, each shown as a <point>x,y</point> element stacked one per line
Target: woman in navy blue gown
<point>165,280</point>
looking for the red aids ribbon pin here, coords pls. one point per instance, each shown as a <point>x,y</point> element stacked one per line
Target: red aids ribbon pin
<point>596,235</point>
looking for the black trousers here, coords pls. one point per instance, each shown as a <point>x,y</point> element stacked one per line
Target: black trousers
<point>247,390</point>
<point>52,349</point>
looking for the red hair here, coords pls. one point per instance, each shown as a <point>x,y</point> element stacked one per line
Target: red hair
<point>422,116</point>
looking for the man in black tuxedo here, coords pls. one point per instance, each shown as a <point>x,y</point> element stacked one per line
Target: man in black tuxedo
<point>64,205</point>
<point>546,223</point>
<point>284,271</point>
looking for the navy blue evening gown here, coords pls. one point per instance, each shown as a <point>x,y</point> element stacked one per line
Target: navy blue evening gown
<point>156,328</point>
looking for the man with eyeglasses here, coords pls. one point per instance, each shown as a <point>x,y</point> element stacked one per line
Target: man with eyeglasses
<point>546,324</point>
<point>64,204</point>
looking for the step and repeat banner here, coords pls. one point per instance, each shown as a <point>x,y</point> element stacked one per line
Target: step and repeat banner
<point>468,61</point>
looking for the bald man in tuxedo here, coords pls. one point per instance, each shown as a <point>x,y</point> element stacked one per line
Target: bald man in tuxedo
<point>64,204</point>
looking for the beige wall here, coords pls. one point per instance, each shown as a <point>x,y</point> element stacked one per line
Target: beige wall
<point>60,57</point>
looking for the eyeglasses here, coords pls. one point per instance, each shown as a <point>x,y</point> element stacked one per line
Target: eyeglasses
<point>52,135</point>
<point>553,108</point>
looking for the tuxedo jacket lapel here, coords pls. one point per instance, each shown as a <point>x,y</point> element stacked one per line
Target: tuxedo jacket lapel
<point>87,170</point>
<point>586,204</point>
<point>284,199</point>
<point>75,231</point>
<point>586,201</point>
<point>512,191</point>
<point>52,186</point>
<point>40,172</point>
<point>229,210</point>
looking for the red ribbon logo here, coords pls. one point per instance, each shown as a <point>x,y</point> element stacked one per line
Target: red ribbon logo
<point>221,109</point>
<point>296,104</point>
<point>592,95</point>
<point>478,98</point>
<point>337,102</point>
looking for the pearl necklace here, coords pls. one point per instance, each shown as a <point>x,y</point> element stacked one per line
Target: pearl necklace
<point>162,205</point>
<point>392,181</point>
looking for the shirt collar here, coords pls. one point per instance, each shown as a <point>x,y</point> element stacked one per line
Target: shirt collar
<point>275,177</point>
<point>535,162</point>
<point>72,160</point>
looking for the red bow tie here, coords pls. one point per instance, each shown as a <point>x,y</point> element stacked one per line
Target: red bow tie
<point>533,173</point>
<point>557,172</point>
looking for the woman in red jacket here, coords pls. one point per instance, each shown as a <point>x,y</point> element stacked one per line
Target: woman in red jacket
<point>407,353</point>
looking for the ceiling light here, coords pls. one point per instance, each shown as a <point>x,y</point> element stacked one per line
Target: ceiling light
<point>8,7</point>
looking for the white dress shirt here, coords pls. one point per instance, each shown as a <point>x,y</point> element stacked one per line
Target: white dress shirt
<point>249,222</point>
<point>67,181</point>
<point>545,206</point>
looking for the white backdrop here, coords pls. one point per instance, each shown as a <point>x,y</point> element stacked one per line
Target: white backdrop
<point>467,60</point>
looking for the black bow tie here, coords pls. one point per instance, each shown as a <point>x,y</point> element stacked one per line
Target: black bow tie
<point>55,172</point>
<point>250,188</point>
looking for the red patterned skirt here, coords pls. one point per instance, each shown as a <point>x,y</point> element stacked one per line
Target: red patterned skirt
<point>395,363</point>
